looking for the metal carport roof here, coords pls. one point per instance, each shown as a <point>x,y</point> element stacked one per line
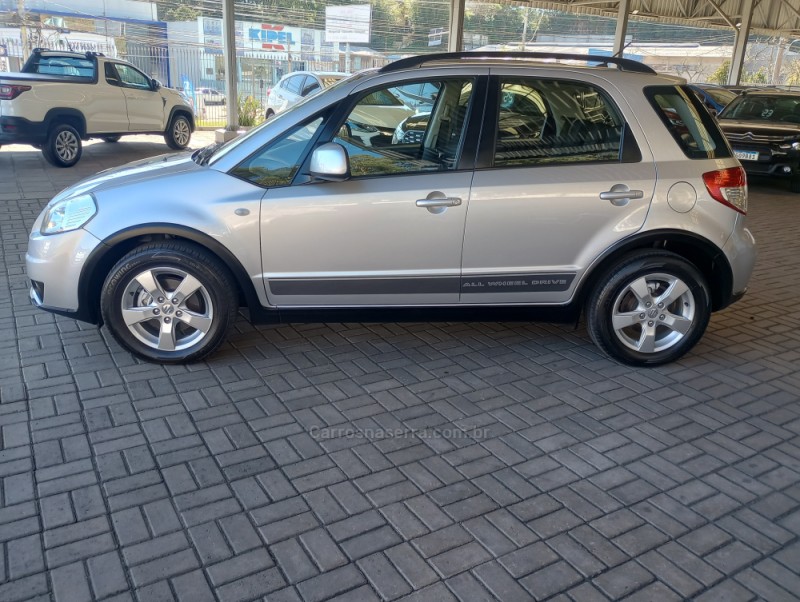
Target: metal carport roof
<point>771,17</point>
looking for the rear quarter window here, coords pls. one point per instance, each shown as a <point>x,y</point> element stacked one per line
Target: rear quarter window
<point>688,122</point>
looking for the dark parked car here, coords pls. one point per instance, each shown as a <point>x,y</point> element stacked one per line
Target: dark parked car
<point>715,98</point>
<point>763,127</point>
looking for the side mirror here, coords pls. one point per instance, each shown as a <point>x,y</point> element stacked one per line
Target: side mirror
<point>330,162</point>
<point>155,84</point>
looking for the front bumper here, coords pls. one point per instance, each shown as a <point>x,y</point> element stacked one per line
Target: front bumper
<point>17,130</point>
<point>770,162</point>
<point>54,263</point>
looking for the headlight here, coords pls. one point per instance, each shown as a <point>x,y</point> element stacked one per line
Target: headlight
<point>68,214</point>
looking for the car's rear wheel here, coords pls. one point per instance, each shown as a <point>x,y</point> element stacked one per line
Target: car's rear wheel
<point>63,147</point>
<point>169,302</point>
<point>794,184</point>
<point>178,133</point>
<point>268,114</point>
<point>111,139</point>
<point>650,309</point>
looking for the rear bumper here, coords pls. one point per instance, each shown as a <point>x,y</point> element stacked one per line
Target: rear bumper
<point>17,130</point>
<point>740,249</point>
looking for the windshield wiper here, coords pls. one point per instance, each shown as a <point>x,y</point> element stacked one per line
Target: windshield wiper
<point>204,154</point>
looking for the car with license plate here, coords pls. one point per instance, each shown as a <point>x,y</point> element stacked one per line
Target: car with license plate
<point>535,189</point>
<point>763,127</point>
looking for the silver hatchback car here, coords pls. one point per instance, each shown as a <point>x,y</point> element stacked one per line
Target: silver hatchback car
<point>531,190</point>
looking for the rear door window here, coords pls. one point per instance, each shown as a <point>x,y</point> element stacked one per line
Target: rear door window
<point>689,123</point>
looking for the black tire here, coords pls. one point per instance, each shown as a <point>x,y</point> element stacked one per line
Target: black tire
<point>179,133</point>
<point>63,147</point>
<point>112,139</point>
<point>613,297</point>
<point>794,184</point>
<point>199,322</point>
<point>268,114</point>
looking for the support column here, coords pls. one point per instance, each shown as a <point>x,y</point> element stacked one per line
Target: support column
<point>776,68</point>
<point>231,83</point>
<point>622,26</point>
<point>740,44</point>
<point>455,40</point>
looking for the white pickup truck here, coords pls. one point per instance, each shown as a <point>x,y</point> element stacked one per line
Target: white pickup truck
<point>62,98</point>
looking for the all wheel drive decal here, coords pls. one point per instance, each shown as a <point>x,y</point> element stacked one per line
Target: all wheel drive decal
<point>513,283</point>
<point>529,283</point>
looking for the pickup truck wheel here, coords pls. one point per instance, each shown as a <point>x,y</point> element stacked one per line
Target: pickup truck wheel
<point>63,147</point>
<point>111,139</point>
<point>178,133</point>
<point>649,309</point>
<point>169,302</point>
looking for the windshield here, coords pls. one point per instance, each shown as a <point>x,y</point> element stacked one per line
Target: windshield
<point>721,95</point>
<point>286,115</point>
<point>764,107</point>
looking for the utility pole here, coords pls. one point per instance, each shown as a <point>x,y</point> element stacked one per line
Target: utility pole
<point>23,30</point>
<point>231,74</point>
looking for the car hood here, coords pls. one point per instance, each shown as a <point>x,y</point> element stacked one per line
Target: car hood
<point>759,128</point>
<point>137,171</point>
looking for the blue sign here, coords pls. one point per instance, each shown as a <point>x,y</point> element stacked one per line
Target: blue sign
<point>271,36</point>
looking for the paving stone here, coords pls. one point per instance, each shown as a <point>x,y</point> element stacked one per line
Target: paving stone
<point>383,576</point>
<point>579,479</point>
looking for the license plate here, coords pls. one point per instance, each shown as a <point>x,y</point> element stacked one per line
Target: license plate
<point>746,155</point>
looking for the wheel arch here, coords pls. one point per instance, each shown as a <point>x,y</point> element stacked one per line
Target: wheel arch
<point>697,250</point>
<point>181,110</point>
<point>72,117</point>
<point>114,247</point>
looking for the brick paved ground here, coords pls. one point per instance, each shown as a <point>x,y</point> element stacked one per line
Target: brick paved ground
<point>572,476</point>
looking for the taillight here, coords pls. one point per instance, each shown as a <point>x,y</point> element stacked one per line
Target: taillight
<point>10,92</point>
<point>729,187</point>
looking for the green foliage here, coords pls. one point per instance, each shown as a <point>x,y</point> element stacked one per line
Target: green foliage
<point>249,111</point>
<point>182,12</point>
<point>792,73</point>
<point>720,76</point>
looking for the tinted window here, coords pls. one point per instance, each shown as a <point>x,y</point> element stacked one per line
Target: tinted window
<point>689,123</point>
<point>64,65</point>
<point>132,78</point>
<point>111,75</point>
<point>721,95</point>
<point>383,138</point>
<point>311,86</point>
<point>762,107</point>
<point>381,98</point>
<point>544,122</point>
<point>277,163</point>
<point>294,83</point>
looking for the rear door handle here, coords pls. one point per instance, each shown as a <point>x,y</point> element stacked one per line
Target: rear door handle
<point>450,201</point>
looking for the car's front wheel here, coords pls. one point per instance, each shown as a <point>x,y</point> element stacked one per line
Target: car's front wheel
<point>169,302</point>
<point>178,133</point>
<point>650,309</point>
<point>63,146</point>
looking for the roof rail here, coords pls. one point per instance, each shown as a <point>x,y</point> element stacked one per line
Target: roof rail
<point>419,60</point>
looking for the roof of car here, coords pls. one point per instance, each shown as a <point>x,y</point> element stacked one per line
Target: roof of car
<point>511,57</point>
<point>317,73</point>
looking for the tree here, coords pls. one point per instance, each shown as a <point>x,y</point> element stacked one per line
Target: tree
<point>182,12</point>
<point>791,73</point>
<point>720,76</point>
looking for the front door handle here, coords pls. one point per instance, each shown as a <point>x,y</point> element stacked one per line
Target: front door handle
<point>449,201</point>
<point>620,192</point>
